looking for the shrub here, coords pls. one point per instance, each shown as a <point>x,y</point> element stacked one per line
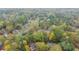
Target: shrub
<point>28,37</point>
<point>24,42</point>
<point>14,46</point>
<point>2,38</point>
<point>17,39</point>
<point>58,33</point>
<point>1,23</point>
<point>67,44</point>
<point>10,36</point>
<point>64,34</point>
<point>55,47</point>
<point>76,49</point>
<point>27,48</point>
<point>7,45</point>
<point>75,38</point>
<point>38,36</point>
<point>41,46</point>
<point>9,26</point>
<point>51,36</point>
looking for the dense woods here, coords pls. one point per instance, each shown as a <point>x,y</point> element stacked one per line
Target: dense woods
<point>39,29</point>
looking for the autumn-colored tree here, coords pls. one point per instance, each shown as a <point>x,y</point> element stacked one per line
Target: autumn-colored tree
<point>41,46</point>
